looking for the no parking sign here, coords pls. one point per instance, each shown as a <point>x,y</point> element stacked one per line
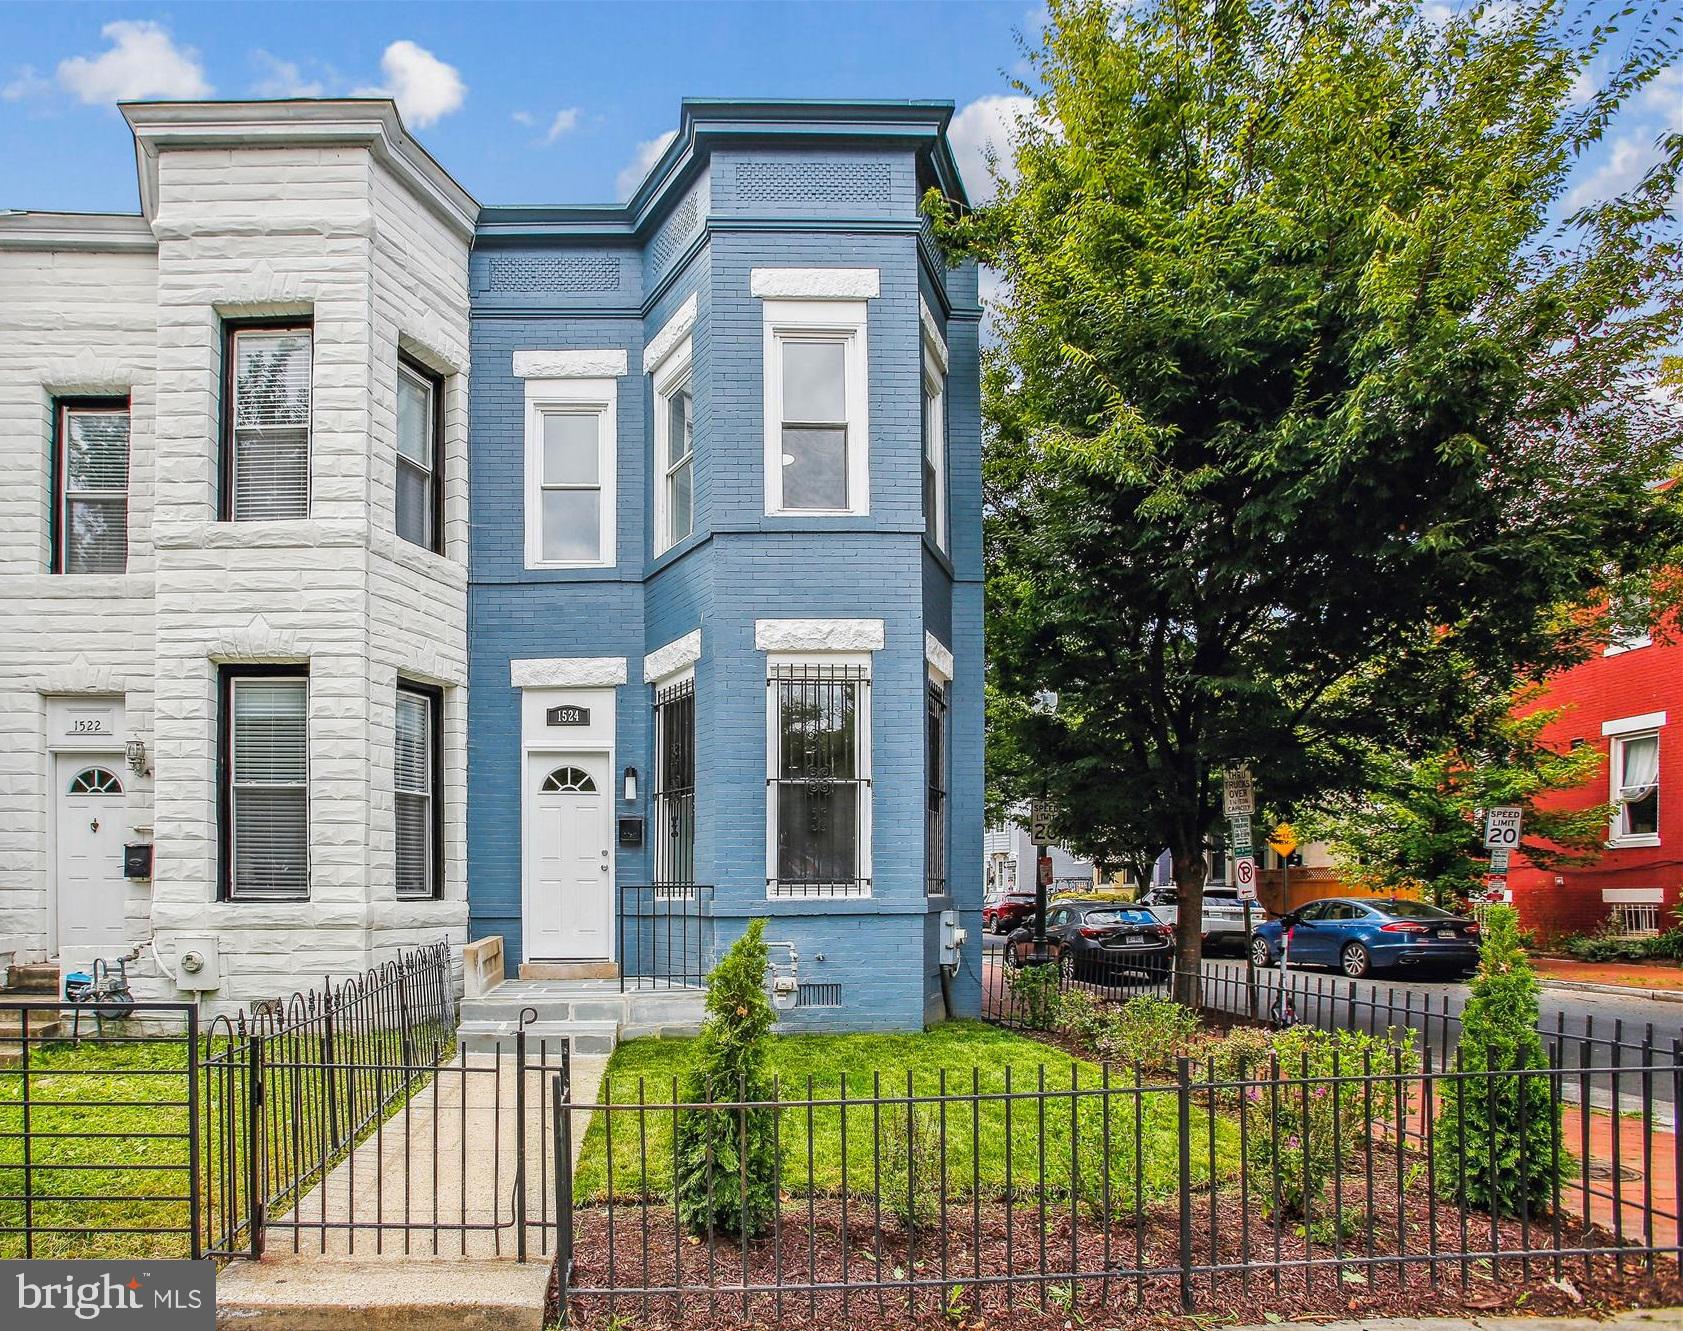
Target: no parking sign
<point>1244,878</point>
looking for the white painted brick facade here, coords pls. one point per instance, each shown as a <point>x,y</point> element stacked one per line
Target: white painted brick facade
<point>327,211</point>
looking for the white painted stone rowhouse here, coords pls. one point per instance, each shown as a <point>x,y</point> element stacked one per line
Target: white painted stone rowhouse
<point>326,217</point>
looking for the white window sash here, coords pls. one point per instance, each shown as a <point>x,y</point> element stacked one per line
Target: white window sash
<point>865,885</point>
<point>675,372</point>
<point>416,787</point>
<point>426,463</point>
<point>842,321</point>
<point>1623,791</point>
<point>573,397</point>
<point>240,784</point>
<point>934,406</point>
<point>69,492</point>
<point>270,506</point>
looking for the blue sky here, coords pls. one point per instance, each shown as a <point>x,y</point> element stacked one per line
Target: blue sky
<point>533,103</point>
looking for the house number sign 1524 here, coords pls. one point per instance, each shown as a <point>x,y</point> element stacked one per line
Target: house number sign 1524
<point>567,715</point>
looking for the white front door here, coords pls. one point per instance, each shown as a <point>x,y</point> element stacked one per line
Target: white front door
<point>89,824</point>
<point>569,858</point>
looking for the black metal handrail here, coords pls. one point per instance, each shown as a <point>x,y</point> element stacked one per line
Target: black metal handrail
<point>665,933</point>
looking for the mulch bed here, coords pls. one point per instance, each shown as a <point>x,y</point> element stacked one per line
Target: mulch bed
<point>1131,1281</point>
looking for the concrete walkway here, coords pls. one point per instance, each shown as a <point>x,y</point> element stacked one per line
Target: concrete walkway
<point>341,1257</point>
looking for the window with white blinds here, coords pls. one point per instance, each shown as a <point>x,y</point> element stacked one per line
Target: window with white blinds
<point>268,452</point>
<point>93,484</point>
<point>416,801</point>
<point>267,795</point>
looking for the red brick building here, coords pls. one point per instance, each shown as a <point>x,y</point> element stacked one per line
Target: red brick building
<point>1628,703</point>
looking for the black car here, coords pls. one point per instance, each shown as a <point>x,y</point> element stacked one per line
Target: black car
<point>1097,940</point>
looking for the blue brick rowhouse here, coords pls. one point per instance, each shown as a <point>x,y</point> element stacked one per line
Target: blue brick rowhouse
<point>724,607</point>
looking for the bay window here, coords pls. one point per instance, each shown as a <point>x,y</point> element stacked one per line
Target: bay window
<point>266,422</point>
<point>91,486</point>
<point>417,802</point>
<point>420,456</point>
<point>816,417</point>
<point>265,786</point>
<point>818,780</point>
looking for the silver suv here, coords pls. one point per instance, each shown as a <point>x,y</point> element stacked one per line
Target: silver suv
<point>1224,914</point>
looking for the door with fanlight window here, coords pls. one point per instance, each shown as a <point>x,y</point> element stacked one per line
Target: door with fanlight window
<point>89,825</point>
<point>569,858</point>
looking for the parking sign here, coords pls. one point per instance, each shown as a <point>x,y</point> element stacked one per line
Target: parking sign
<point>1244,877</point>
<point>1241,838</point>
<point>1501,828</point>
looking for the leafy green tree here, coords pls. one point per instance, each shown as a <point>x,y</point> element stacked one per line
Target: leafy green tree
<point>1309,424</point>
<point>1418,824</point>
<point>727,1159</point>
<point>1498,1142</point>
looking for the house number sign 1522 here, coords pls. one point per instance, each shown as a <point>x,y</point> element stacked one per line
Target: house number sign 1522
<point>86,725</point>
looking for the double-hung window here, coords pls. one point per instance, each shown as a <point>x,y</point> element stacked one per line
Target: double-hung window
<point>674,451</point>
<point>266,422</point>
<point>935,440</point>
<point>91,484</point>
<point>265,795</point>
<point>819,780</point>
<point>935,801</point>
<point>570,474</point>
<point>1635,763</point>
<point>674,835</point>
<point>417,804</point>
<point>817,428</point>
<point>420,456</point>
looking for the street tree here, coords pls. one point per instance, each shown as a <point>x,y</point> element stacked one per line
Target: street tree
<point>1315,411</point>
<point>1416,826</point>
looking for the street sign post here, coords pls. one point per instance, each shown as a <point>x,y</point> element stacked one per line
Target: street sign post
<point>1240,826</point>
<point>1244,878</point>
<point>1238,795</point>
<point>1501,828</point>
<point>1040,832</point>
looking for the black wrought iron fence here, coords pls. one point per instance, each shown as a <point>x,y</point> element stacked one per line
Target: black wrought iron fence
<point>1201,1186</point>
<point>666,935</point>
<point>98,1150</point>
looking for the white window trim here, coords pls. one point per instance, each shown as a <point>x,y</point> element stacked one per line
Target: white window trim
<point>543,395</point>
<point>840,319</point>
<point>1617,838</point>
<point>1626,725</point>
<point>938,657</point>
<point>674,331</point>
<point>675,371</point>
<point>665,664</point>
<point>932,400</point>
<point>867,785</point>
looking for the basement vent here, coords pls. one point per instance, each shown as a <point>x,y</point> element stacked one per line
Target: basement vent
<point>594,272</point>
<point>819,995</point>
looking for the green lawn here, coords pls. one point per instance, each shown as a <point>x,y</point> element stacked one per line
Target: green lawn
<point>984,1140</point>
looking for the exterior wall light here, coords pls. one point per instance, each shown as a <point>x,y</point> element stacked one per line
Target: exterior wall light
<point>630,784</point>
<point>135,752</point>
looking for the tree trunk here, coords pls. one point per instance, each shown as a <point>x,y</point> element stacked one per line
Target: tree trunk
<point>1189,871</point>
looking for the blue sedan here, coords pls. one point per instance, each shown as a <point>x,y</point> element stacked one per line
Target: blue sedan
<point>1361,936</point>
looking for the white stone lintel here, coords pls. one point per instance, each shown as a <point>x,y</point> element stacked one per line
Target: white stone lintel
<point>815,283</point>
<point>818,635</point>
<point>605,363</point>
<point>679,654</point>
<point>671,334</point>
<point>560,672</point>
<point>1626,725</point>
<point>932,336</point>
<point>939,656</point>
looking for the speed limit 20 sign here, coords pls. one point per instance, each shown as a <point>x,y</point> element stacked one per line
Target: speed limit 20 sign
<point>1501,828</point>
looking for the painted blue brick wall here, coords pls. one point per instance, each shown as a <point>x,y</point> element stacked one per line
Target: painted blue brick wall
<point>808,205</point>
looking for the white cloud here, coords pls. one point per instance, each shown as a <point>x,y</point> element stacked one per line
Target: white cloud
<point>283,78</point>
<point>423,86</point>
<point>525,118</point>
<point>25,82</point>
<point>982,128</point>
<point>566,120</point>
<point>1628,159</point>
<point>648,153</point>
<point>1664,94</point>
<point>143,61</point>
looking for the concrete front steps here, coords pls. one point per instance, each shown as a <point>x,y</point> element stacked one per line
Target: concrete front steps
<point>591,1013</point>
<point>33,983</point>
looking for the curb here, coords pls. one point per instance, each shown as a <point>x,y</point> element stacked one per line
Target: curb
<point>1618,990</point>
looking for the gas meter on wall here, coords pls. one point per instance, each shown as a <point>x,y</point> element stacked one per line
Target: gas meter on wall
<point>784,991</point>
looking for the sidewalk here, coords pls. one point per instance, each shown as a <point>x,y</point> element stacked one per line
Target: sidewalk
<point>1637,1319</point>
<point>1652,979</point>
